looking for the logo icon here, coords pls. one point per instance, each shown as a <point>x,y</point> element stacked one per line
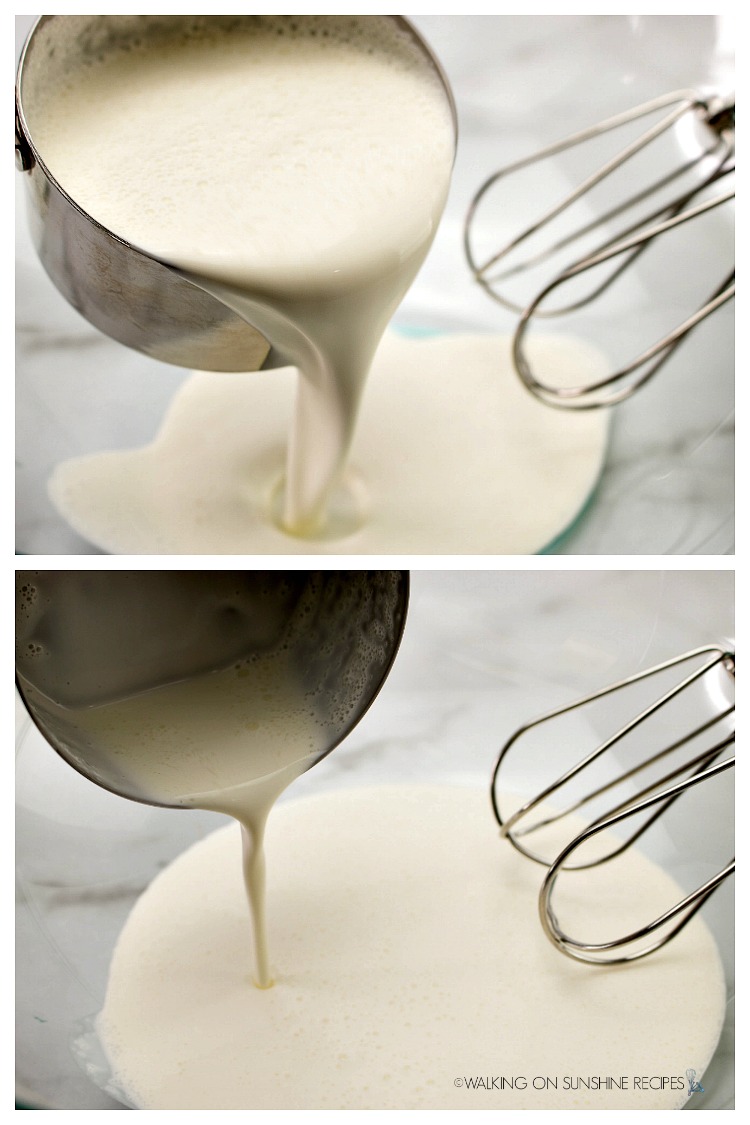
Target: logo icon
<point>694,1086</point>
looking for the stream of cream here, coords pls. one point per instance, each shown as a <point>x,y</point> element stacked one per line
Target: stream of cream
<point>230,741</point>
<point>296,167</point>
<point>467,463</point>
<point>209,691</point>
<point>412,974</point>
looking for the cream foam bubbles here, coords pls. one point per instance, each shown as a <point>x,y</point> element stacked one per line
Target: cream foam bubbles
<point>418,959</point>
<point>309,210</point>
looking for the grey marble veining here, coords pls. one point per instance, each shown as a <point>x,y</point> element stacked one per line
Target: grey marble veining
<point>482,653</point>
<point>519,82</point>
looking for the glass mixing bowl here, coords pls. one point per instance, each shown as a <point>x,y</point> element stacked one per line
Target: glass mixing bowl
<point>520,82</point>
<point>483,652</point>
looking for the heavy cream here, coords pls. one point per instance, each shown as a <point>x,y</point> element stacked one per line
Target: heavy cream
<point>412,973</point>
<point>297,167</point>
<point>205,691</point>
<point>230,741</point>
<point>451,455</point>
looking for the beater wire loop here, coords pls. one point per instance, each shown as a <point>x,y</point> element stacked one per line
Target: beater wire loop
<point>618,792</point>
<point>706,169</point>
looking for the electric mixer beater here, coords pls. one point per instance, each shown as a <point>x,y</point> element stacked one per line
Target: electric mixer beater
<point>654,203</point>
<point>650,746</point>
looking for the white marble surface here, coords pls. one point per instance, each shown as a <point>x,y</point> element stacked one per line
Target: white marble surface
<point>483,652</point>
<point>519,82</point>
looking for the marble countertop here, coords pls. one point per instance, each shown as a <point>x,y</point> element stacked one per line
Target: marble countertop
<point>519,82</point>
<point>483,652</point>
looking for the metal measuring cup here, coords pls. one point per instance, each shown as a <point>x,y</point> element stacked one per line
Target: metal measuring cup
<point>88,638</point>
<point>125,292</point>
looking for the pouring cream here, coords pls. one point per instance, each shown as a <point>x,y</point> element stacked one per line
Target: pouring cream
<point>451,456</point>
<point>413,974</point>
<point>209,690</point>
<point>296,167</point>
